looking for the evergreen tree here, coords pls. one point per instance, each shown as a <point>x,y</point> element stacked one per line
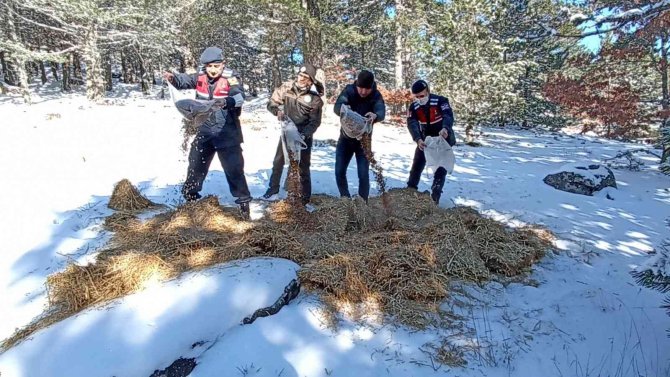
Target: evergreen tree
<point>656,274</point>
<point>467,61</point>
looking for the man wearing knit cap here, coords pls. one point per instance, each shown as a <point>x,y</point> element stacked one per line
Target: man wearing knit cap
<point>218,90</point>
<point>300,101</point>
<point>363,98</point>
<point>428,115</point>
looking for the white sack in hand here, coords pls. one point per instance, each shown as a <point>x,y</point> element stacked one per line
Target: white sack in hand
<point>439,154</point>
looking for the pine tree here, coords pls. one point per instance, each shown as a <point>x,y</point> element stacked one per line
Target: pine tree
<point>527,30</point>
<point>467,61</point>
<point>656,274</point>
<point>66,30</point>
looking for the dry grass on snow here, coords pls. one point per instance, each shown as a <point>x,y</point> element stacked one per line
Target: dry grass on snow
<point>397,262</point>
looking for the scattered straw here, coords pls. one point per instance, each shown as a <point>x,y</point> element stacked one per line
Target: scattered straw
<point>119,221</point>
<point>392,263</point>
<point>81,286</point>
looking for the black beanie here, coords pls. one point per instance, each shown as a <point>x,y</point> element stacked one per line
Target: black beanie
<point>365,79</point>
<point>419,86</point>
<point>309,70</point>
<point>211,55</point>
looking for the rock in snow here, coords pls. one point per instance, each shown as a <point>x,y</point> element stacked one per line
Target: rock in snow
<point>584,179</point>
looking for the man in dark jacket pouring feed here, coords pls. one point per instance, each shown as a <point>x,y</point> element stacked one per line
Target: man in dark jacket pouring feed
<point>220,91</point>
<point>363,98</point>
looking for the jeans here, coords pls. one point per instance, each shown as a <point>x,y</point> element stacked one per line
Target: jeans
<point>345,150</point>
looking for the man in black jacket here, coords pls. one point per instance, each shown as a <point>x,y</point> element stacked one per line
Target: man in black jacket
<point>220,133</point>
<point>363,98</point>
<point>428,115</point>
<point>299,101</point>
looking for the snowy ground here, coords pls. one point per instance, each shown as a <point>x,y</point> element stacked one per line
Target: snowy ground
<point>584,316</point>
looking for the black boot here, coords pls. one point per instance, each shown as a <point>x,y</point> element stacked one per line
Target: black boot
<point>436,193</point>
<point>438,183</point>
<point>271,195</point>
<point>192,197</point>
<point>245,211</point>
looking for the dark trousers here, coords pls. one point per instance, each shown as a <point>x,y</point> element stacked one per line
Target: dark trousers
<point>200,157</point>
<point>346,148</point>
<point>418,164</point>
<point>305,178</point>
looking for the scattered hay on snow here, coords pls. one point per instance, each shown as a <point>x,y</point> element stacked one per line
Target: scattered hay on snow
<point>113,276</point>
<point>119,221</point>
<point>353,253</point>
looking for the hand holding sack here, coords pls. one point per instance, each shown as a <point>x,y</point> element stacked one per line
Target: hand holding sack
<point>198,110</point>
<point>353,124</point>
<point>193,109</point>
<point>292,140</point>
<point>438,154</point>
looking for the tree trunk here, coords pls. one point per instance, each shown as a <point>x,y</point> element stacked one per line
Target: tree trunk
<point>77,74</point>
<point>470,123</point>
<point>43,73</point>
<point>19,63</point>
<point>182,64</point>
<point>469,133</point>
<point>312,47</point>
<point>12,77</point>
<point>276,72</point>
<point>107,65</point>
<point>32,70</point>
<point>125,69</point>
<point>54,70</point>
<point>37,69</point>
<point>65,84</point>
<point>526,95</point>
<point>665,102</point>
<point>95,81</point>
<point>4,66</point>
<point>153,70</point>
<point>144,78</point>
<point>399,13</point>
<point>23,80</point>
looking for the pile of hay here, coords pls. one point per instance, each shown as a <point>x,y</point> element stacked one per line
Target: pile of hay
<point>126,197</point>
<point>402,263</point>
<point>351,252</point>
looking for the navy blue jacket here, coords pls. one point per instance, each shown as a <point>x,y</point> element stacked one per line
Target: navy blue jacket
<point>223,126</point>
<point>373,103</point>
<point>429,119</point>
